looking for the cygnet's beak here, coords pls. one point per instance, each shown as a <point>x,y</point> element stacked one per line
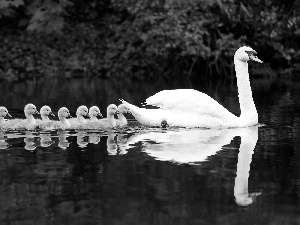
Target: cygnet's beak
<point>99,114</point>
<point>117,112</point>
<point>88,115</point>
<point>36,112</point>
<point>8,115</point>
<point>52,114</point>
<point>69,115</point>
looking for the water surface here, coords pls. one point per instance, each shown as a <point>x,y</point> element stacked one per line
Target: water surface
<point>151,175</point>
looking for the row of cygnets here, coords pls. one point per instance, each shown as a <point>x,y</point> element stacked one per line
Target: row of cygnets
<point>65,119</point>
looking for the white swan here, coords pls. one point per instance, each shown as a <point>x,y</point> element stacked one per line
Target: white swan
<point>3,114</point>
<point>29,123</point>
<point>122,121</point>
<point>191,108</point>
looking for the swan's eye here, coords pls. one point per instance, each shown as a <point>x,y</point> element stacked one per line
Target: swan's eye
<point>251,53</point>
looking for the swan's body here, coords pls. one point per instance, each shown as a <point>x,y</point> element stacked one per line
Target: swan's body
<point>3,114</point>
<point>29,123</point>
<point>191,108</point>
<point>122,121</point>
<point>79,120</point>
<point>109,121</point>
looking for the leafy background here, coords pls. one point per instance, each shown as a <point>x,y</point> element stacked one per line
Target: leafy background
<point>140,39</point>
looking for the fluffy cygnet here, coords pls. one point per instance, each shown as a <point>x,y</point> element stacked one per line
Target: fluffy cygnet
<point>94,112</point>
<point>122,121</point>
<point>3,114</point>
<point>109,121</point>
<point>63,123</point>
<point>79,120</point>
<point>29,123</point>
<point>45,112</point>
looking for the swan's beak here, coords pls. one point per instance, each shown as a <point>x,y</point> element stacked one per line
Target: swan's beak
<point>99,114</point>
<point>70,116</point>
<point>255,58</point>
<point>8,115</point>
<point>36,112</point>
<point>88,115</point>
<point>117,112</point>
<point>52,114</point>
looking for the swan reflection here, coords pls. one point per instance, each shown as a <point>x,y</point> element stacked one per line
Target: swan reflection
<point>195,146</point>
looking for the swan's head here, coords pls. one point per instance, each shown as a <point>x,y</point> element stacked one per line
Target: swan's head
<point>95,111</point>
<point>112,109</point>
<point>46,111</point>
<point>4,112</point>
<point>122,108</point>
<point>63,112</point>
<point>30,109</point>
<point>82,111</point>
<point>245,54</point>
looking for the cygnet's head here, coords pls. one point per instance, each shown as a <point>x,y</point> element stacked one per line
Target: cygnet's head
<point>30,109</point>
<point>245,54</point>
<point>4,112</point>
<point>95,111</point>
<point>112,109</point>
<point>82,111</point>
<point>122,108</point>
<point>46,111</point>
<point>63,112</point>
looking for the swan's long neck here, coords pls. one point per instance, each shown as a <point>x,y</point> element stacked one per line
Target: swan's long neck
<point>248,109</point>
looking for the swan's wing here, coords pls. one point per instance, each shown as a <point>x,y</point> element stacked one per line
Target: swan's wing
<point>188,100</point>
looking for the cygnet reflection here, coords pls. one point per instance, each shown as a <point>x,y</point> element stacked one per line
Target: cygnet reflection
<point>3,143</point>
<point>63,143</point>
<point>45,139</point>
<point>29,141</point>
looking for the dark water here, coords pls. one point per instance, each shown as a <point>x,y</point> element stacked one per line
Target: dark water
<point>152,176</point>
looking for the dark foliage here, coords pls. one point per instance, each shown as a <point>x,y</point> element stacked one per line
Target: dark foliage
<point>142,38</point>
